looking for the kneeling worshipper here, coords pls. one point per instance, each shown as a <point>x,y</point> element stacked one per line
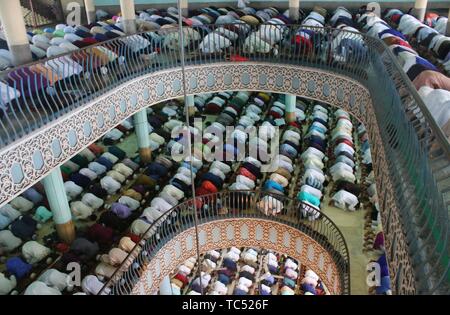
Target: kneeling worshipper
<point>56,279</point>
<point>33,252</point>
<point>21,204</point>
<point>7,284</point>
<point>17,267</point>
<point>24,228</point>
<point>438,103</point>
<point>9,214</point>
<point>8,242</point>
<point>115,257</point>
<point>345,200</point>
<point>92,285</point>
<point>40,288</point>
<point>80,210</point>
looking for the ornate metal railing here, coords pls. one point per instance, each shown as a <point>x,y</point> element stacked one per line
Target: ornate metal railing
<point>418,161</point>
<point>228,205</point>
<point>43,91</point>
<point>411,153</point>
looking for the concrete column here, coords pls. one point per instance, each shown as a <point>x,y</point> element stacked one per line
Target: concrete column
<point>447,31</point>
<point>142,133</point>
<point>165,288</point>
<point>59,205</point>
<point>191,104</point>
<point>15,31</point>
<point>375,8</point>
<point>291,102</point>
<point>90,11</point>
<point>128,16</point>
<point>294,10</point>
<point>420,8</point>
<point>184,8</point>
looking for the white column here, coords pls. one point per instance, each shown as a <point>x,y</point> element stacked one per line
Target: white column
<point>59,205</point>
<point>291,102</point>
<point>15,31</point>
<point>142,133</point>
<point>294,10</point>
<point>375,8</point>
<point>90,10</point>
<point>420,8</point>
<point>191,104</point>
<point>184,8</point>
<point>128,16</point>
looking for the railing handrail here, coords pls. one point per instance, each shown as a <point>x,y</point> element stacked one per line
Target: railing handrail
<point>255,195</point>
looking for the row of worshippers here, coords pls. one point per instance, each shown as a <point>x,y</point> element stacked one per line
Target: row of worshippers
<point>307,38</point>
<point>240,113</point>
<point>82,250</point>
<point>425,36</point>
<point>244,111</point>
<point>115,219</point>
<point>436,21</point>
<point>70,66</point>
<point>65,41</point>
<point>20,221</point>
<point>343,171</point>
<point>283,165</point>
<point>432,85</point>
<point>347,46</point>
<point>420,71</point>
<point>118,133</point>
<point>127,212</point>
<point>55,282</point>
<point>283,274</point>
<point>109,170</point>
<point>99,64</point>
<point>313,178</point>
<point>237,266</point>
<point>250,170</point>
<point>239,269</point>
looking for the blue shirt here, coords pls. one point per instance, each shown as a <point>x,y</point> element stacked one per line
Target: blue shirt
<point>4,221</point>
<point>270,184</point>
<point>17,267</point>
<point>105,162</point>
<point>305,196</point>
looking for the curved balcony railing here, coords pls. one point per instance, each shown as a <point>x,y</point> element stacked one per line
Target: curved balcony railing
<point>416,161</point>
<point>230,205</point>
<point>43,91</point>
